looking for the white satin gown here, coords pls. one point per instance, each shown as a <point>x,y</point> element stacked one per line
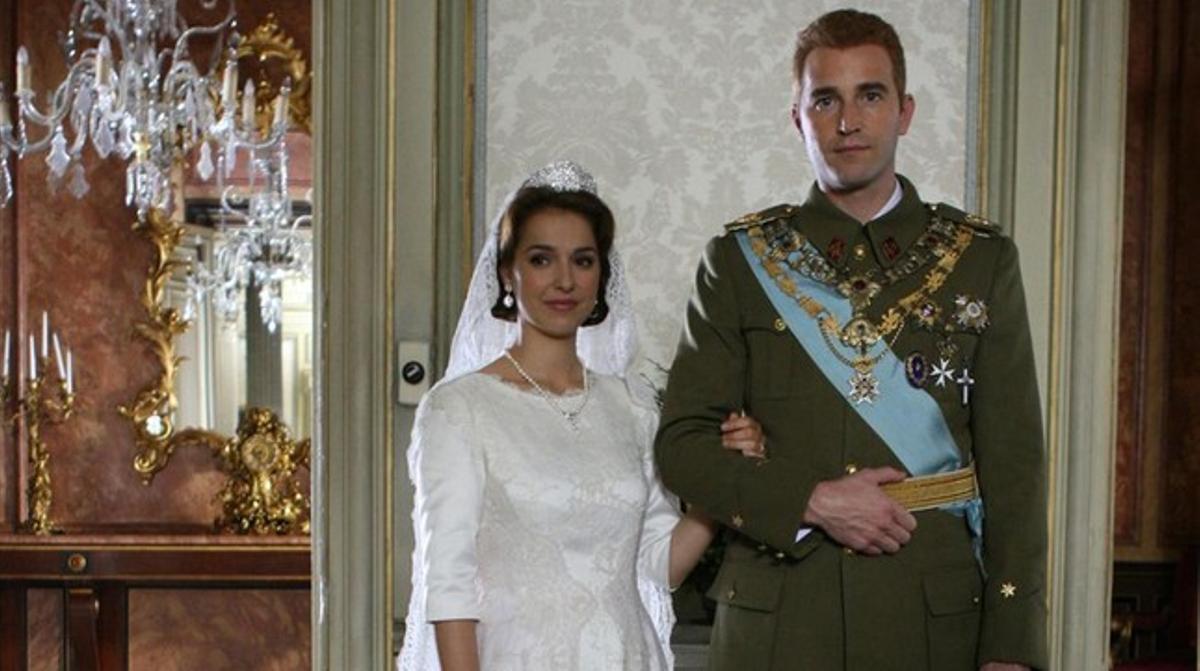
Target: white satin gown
<point>555,540</point>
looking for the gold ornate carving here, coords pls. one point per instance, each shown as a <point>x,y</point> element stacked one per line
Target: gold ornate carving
<point>37,406</point>
<point>151,412</point>
<point>268,42</point>
<point>262,496</point>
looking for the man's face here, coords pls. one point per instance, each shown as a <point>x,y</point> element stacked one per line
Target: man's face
<point>850,116</point>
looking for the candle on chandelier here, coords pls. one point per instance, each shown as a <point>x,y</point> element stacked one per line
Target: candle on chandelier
<point>7,350</point>
<point>70,375</point>
<point>103,62</point>
<point>23,71</point>
<point>32,358</point>
<point>58,359</point>
<point>280,110</point>
<point>45,334</point>
<point>5,119</point>
<point>248,105</point>
<point>229,84</point>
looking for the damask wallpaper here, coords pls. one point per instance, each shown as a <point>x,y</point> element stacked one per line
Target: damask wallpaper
<point>680,109</point>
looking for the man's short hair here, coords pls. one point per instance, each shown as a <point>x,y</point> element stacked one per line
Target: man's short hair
<point>845,28</point>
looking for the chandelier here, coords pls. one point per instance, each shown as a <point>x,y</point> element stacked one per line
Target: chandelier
<point>136,92</point>
<point>129,96</point>
<point>260,242</point>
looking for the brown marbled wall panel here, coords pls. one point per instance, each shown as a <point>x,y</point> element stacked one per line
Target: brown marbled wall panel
<point>8,277</point>
<point>1134,284</point>
<point>1181,458</point>
<point>80,260</point>
<point>202,630</point>
<point>45,624</point>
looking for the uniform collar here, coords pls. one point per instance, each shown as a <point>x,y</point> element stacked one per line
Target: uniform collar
<point>832,231</point>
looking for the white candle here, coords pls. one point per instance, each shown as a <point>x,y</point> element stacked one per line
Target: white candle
<point>22,70</point>
<point>248,106</point>
<point>103,61</point>
<point>5,119</point>
<point>45,334</point>
<point>58,358</point>
<point>32,359</point>
<point>7,350</point>
<point>70,375</point>
<point>280,110</point>
<point>229,84</point>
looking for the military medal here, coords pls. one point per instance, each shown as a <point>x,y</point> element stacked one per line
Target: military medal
<point>972,313</point>
<point>916,369</point>
<point>864,387</point>
<point>942,372</point>
<point>965,382</point>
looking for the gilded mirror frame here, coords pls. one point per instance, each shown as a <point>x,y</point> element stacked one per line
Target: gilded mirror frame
<point>153,410</point>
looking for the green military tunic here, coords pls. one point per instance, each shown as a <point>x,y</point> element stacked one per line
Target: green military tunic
<point>812,604</point>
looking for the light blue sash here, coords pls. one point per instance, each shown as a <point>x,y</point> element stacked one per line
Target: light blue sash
<point>908,420</point>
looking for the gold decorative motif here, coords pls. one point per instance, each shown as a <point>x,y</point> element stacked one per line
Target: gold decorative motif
<point>269,43</point>
<point>262,496</point>
<point>151,412</point>
<point>859,334</point>
<point>77,563</point>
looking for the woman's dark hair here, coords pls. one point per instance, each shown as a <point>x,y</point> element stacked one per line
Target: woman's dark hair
<point>533,199</point>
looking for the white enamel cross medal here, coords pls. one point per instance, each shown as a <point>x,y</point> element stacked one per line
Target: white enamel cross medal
<point>864,388</point>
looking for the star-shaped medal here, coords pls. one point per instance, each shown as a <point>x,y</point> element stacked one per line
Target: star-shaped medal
<point>943,372</point>
<point>1008,590</point>
<point>864,388</point>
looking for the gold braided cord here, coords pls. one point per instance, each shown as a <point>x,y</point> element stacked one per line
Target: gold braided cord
<point>934,491</point>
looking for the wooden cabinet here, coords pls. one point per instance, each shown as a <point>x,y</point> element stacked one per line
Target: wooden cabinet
<point>166,602</point>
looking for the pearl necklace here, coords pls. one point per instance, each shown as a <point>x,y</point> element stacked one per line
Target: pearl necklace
<point>572,416</point>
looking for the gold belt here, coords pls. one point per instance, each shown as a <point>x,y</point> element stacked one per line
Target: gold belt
<point>926,492</point>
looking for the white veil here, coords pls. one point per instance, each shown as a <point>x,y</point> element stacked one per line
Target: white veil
<point>479,339</point>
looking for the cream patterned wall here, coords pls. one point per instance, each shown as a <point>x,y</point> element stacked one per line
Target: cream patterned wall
<point>680,109</point>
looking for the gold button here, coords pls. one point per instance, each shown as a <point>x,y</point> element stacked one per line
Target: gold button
<point>860,252</point>
<point>848,550</point>
<point>975,599</point>
<point>737,521</point>
<point>780,325</point>
<point>851,469</point>
<point>731,594</point>
<point>779,555</point>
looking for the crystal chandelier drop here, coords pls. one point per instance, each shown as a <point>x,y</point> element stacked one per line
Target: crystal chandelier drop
<point>260,243</point>
<point>135,92</point>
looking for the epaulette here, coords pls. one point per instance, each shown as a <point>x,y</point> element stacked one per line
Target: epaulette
<point>982,227</point>
<point>761,217</point>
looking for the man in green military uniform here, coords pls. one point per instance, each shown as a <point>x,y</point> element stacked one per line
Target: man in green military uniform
<point>899,521</point>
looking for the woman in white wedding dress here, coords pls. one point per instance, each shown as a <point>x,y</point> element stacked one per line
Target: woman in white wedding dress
<point>543,538</point>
